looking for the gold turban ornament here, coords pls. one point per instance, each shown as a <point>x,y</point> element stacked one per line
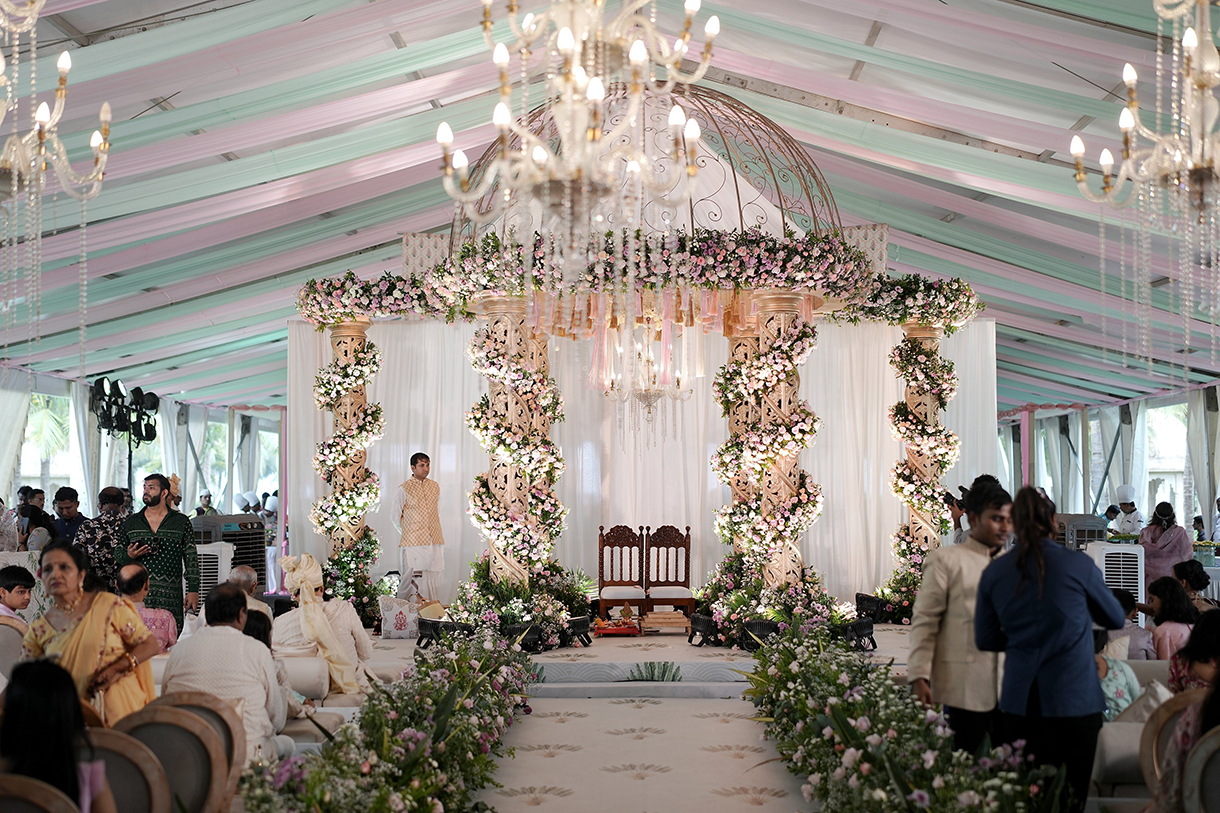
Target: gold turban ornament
<point>303,578</point>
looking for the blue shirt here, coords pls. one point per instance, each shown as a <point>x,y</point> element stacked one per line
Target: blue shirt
<point>1048,637</point>
<point>67,528</point>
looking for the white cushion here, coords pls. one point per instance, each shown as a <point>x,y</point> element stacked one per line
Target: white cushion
<point>1118,754</point>
<point>399,617</point>
<point>308,676</point>
<point>673,591</point>
<point>622,592</point>
<point>1141,709</point>
<point>1148,671</point>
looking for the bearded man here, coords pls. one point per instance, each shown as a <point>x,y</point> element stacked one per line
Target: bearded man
<point>162,540</point>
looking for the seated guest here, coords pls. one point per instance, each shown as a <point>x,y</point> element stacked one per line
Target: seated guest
<point>43,736</point>
<point>1194,665</point>
<point>1195,580</point>
<point>332,625</point>
<point>1173,615</point>
<point>222,661</point>
<point>97,636</point>
<point>39,530</point>
<point>15,585</point>
<point>246,578</point>
<point>1200,529</point>
<point>133,586</point>
<point>258,627</point>
<point>102,534</point>
<point>1118,682</point>
<point>1165,543</point>
<point>1198,719</point>
<point>1139,640</point>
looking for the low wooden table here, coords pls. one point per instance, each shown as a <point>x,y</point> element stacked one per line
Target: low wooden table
<point>629,629</point>
<point>672,620</point>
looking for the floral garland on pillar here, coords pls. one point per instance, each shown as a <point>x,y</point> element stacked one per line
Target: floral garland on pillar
<point>927,310</point>
<point>339,460</point>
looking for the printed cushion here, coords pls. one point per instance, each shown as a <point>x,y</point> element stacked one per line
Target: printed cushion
<point>399,617</point>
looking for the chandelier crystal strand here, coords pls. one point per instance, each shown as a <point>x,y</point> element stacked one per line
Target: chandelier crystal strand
<point>84,289</point>
<point>1101,262</point>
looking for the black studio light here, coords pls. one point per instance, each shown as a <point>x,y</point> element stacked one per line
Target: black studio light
<point>120,412</point>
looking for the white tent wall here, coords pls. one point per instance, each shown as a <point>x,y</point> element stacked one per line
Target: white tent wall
<point>1201,439</point>
<point>15,406</point>
<point>426,385</point>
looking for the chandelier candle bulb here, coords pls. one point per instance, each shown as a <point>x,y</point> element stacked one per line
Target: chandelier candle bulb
<point>711,29</point>
<point>42,116</point>
<point>692,7</point>
<point>444,135</point>
<point>64,65</point>
<point>565,43</point>
<point>501,117</point>
<point>105,115</point>
<point>638,54</point>
<point>500,56</point>
<point>1130,77</point>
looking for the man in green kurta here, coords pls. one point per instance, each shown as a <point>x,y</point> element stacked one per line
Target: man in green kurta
<point>162,540</point>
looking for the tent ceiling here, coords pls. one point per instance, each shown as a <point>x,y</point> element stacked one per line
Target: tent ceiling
<point>259,143</point>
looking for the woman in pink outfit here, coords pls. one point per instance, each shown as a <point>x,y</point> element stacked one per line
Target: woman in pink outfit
<point>1165,543</point>
<point>1173,615</point>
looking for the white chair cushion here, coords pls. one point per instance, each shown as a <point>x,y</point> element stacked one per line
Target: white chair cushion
<point>1148,671</point>
<point>622,592</point>
<point>673,591</point>
<point>1142,708</point>
<point>308,676</point>
<point>1117,761</point>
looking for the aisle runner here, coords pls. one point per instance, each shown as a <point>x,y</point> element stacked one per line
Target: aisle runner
<point>621,755</point>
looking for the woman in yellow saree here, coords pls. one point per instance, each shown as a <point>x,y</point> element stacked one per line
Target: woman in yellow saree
<point>96,636</point>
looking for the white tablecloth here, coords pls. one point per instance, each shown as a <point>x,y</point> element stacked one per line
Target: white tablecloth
<point>1213,589</point>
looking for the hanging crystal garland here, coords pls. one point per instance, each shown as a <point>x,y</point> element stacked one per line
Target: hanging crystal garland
<point>648,388</point>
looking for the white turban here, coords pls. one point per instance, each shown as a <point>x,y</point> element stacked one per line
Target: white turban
<point>303,576</point>
<point>1126,493</point>
<point>273,504</point>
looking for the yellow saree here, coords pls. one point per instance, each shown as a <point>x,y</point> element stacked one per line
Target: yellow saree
<point>110,627</point>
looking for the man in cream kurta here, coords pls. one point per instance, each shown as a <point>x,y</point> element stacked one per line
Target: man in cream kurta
<point>944,664</point>
<point>422,545</point>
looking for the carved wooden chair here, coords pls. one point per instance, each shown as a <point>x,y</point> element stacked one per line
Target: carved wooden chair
<point>223,719</point>
<point>620,568</point>
<point>21,794</point>
<point>135,775</point>
<point>667,554</point>
<point>182,739</point>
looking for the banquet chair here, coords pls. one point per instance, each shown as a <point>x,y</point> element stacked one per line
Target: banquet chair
<point>135,775</point>
<point>183,740</point>
<point>1201,775</point>
<point>92,718</point>
<point>1157,731</point>
<point>21,794</point>
<point>223,719</point>
<point>620,568</point>
<point>667,554</point>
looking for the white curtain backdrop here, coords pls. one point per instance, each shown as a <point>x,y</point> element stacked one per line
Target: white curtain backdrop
<point>1201,425</point>
<point>15,386</point>
<point>1130,463</point>
<point>426,385</point>
<point>171,444</point>
<point>88,438</point>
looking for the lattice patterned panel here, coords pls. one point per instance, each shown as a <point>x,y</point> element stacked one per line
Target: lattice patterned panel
<point>873,240</point>
<point>423,252</point>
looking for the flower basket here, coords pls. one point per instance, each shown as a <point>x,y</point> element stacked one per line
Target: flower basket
<point>432,630</point>
<point>530,636</point>
<point>578,628</point>
<point>705,627</point>
<point>759,628</point>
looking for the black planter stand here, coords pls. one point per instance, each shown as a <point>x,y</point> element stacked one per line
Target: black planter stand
<point>761,629</point>
<point>431,631</point>
<point>705,627</point>
<point>578,628</point>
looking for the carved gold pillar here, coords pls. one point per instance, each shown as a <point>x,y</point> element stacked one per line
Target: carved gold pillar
<point>924,528</point>
<point>778,311</point>
<point>506,327</point>
<point>742,415</point>
<point>347,339</point>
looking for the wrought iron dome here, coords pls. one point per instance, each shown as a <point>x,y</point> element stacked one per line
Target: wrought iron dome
<point>751,172</point>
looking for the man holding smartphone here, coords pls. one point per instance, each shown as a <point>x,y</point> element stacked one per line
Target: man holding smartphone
<point>162,540</point>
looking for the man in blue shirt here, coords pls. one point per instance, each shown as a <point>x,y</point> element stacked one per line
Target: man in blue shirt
<point>67,509</point>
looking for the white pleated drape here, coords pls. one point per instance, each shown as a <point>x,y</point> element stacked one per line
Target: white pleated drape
<point>1201,438</point>
<point>15,387</point>
<point>88,438</point>
<point>1130,463</point>
<point>426,385</point>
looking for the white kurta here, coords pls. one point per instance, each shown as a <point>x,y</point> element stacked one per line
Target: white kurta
<point>421,544</point>
<point>1131,523</point>
<point>354,642</point>
<point>1215,537</point>
<point>238,669</point>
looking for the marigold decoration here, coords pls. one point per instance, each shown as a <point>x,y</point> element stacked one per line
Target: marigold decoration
<point>339,461</point>
<point>933,308</point>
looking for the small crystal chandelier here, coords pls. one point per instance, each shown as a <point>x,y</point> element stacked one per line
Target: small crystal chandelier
<point>650,386</point>
<point>597,68</point>
<point>1169,180</point>
<point>24,163</point>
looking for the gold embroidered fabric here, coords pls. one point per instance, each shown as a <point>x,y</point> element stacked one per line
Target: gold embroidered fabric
<point>419,518</point>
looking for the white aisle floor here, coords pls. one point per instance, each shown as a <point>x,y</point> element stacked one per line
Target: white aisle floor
<point>634,755</point>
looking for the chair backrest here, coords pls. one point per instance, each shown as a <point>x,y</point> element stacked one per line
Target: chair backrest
<point>1201,775</point>
<point>184,741</point>
<point>135,775</point>
<point>620,556</point>
<point>1155,738</point>
<point>21,794</point>
<point>223,719</point>
<point>92,718</point>
<point>667,551</point>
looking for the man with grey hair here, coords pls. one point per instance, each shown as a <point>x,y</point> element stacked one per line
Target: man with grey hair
<point>246,578</point>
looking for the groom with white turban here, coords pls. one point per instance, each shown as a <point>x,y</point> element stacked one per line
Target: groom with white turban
<point>331,627</point>
<point>1130,520</point>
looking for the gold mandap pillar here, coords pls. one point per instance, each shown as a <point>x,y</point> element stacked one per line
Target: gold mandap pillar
<point>347,339</point>
<point>924,527</point>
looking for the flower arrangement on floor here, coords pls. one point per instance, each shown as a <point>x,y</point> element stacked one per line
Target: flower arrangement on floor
<point>552,596</point>
<point>355,489</point>
<point>865,745</point>
<point>735,593</point>
<point>424,743</point>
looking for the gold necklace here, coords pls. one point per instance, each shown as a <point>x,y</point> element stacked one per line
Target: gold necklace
<point>80,594</point>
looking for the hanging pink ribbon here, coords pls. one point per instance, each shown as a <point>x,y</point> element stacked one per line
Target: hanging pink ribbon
<point>665,378</point>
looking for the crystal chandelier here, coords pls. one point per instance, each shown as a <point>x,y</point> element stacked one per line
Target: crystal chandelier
<point>1167,181</point>
<point>597,67</point>
<point>24,164</point>
<point>643,386</point>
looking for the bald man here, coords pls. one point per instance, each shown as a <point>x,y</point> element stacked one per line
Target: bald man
<point>246,578</point>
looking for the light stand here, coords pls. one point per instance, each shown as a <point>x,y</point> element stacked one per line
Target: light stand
<point>121,413</point>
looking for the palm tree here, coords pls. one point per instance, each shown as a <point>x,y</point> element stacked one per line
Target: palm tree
<point>47,429</point>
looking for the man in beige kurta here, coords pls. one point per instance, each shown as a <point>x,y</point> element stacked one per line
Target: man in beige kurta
<point>422,545</point>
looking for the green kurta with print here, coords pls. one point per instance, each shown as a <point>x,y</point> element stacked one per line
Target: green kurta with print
<point>173,556</point>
